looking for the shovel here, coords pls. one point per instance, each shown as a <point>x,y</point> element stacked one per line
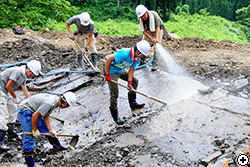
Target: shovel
<point>72,142</point>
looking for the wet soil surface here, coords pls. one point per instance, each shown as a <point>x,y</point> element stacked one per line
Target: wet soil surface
<point>207,112</point>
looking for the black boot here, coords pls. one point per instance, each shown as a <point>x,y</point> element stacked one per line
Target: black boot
<point>56,144</point>
<point>132,102</point>
<point>3,147</point>
<point>79,59</point>
<point>10,132</point>
<point>114,113</point>
<point>94,59</point>
<point>30,162</point>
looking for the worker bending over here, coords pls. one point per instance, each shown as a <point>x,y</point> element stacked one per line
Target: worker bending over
<point>34,117</point>
<point>115,69</point>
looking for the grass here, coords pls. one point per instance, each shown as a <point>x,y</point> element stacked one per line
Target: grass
<point>209,27</point>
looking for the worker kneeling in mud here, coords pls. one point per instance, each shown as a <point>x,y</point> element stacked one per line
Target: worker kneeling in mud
<point>34,117</point>
<point>115,69</point>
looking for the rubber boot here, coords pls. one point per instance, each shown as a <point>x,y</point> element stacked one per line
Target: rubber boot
<point>94,59</point>
<point>56,144</point>
<point>155,62</point>
<point>116,118</point>
<point>29,159</point>
<point>132,101</point>
<point>10,132</point>
<point>79,60</point>
<point>3,147</point>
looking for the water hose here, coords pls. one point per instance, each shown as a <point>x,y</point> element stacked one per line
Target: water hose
<point>68,71</point>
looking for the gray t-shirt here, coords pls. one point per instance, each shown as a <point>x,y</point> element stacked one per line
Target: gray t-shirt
<point>17,74</point>
<point>43,103</point>
<point>158,21</point>
<point>82,29</point>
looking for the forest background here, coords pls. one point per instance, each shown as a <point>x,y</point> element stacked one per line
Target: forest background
<point>208,19</point>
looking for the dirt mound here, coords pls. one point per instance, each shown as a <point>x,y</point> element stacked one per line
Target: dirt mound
<point>211,59</point>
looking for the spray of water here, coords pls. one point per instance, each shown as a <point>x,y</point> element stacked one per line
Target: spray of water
<point>179,83</point>
<point>167,62</point>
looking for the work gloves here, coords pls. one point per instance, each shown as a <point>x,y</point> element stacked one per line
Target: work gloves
<point>108,77</point>
<point>16,100</point>
<point>53,133</point>
<point>72,37</point>
<point>36,133</point>
<point>130,85</point>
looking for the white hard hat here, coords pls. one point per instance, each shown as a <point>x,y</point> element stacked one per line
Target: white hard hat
<point>140,10</point>
<point>34,66</point>
<point>84,18</point>
<point>70,98</point>
<point>143,46</point>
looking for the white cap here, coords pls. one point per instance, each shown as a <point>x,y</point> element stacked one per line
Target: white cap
<point>143,46</point>
<point>141,10</point>
<point>84,18</point>
<point>34,66</point>
<point>70,98</point>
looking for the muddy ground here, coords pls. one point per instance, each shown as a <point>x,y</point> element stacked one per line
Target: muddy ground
<point>223,65</point>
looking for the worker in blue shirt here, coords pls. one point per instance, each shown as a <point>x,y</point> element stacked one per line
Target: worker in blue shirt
<point>116,68</point>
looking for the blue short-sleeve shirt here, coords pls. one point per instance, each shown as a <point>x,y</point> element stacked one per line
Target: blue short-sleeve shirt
<point>122,61</point>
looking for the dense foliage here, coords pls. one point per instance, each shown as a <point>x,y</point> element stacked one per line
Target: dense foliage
<point>223,8</point>
<point>209,27</point>
<point>186,18</point>
<point>34,14</point>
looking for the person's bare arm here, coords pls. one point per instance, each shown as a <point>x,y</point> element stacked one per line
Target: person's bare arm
<point>10,89</point>
<point>34,120</point>
<point>89,39</point>
<point>25,91</point>
<point>108,63</point>
<point>68,27</point>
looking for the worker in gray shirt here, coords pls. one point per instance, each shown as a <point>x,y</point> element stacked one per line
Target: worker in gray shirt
<point>34,117</point>
<point>84,32</point>
<point>153,29</point>
<point>10,80</point>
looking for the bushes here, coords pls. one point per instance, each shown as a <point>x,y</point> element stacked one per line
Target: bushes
<point>34,14</point>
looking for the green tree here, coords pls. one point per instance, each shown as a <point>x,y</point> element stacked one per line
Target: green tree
<point>192,6</point>
<point>204,4</point>
<point>34,13</point>
<point>204,12</point>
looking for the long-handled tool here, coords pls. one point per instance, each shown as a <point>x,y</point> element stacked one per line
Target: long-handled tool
<point>136,91</point>
<point>72,142</point>
<point>60,120</point>
<point>118,82</point>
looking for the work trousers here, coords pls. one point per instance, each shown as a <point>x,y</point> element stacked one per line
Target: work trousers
<point>25,117</point>
<point>113,88</point>
<point>8,110</point>
<point>81,40</point>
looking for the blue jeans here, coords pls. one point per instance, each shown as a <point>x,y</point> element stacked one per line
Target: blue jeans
<point>25,117</point>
